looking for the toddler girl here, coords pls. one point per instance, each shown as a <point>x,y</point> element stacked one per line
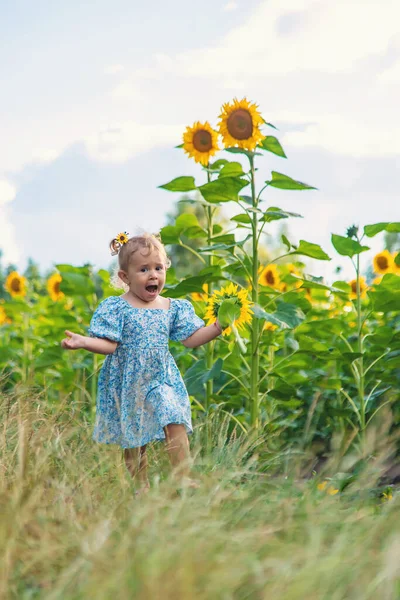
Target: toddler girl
<point>141,395</point>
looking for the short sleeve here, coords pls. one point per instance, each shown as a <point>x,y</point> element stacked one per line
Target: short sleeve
<point>107,321</point>
<point>185,321</point>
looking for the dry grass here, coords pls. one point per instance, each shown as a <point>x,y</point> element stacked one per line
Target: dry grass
<point>70,527</point>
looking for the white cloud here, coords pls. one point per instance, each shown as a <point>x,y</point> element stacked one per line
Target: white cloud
<point>7,192</point>
<point>344,135</point>
<point>8,245</point>
<point>113,69</point>
<point>120,142</point>
<point>391,75</point>
<point>285,37</point>
<point>230,6</point>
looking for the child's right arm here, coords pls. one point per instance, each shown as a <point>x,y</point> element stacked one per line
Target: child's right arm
<point>75,341</point>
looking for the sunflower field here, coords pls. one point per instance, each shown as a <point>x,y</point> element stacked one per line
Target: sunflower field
<point>306,372</point>
<point>300,360</point>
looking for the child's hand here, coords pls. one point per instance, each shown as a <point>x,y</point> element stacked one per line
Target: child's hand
<point>74,341</point>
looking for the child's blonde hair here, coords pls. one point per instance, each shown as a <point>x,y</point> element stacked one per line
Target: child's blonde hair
<point>147,241</point>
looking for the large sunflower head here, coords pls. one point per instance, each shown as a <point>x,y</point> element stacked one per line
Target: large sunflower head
<point>363,288</point>
<point>269,276</point>
<point>240,124</point>
<point>200,142</point>
<point>16,285</point>
<point>53,287</point>
<point>383,262</point>
<point>240,298</point>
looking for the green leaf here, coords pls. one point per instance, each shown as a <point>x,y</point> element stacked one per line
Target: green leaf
<point>397,259</point>
<point>272,144</point>
<point>231,169</point>
<point>242,218</point>
<point>180,184</point>
<point>49,357</point>
<point>386,296</point>
<point>311,250</point>
<point>215,166</point>
<point>274,213</point>
<point>186,220</point>
<point>228,312</point>
<point>286,242</point>
<point>195,232</point>
<point>287,316</point>
<point>346,246</point>
<point>76,284</point>
<point>197,375</point>
<point>223,190</point>
<point>371,230</point>
<point>312,345</point>
<point>170,234</point>
<point>284,182</point>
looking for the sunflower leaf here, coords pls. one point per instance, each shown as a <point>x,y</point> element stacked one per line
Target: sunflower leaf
<point>284,182</point>
<point>223,190</point>
<point>371,230</point>
<point>274,213</point>
<point>242,218</point>
<point>231,169</point>
<point>347,246</point>
<point>180,184</point>
<point>286,241</point>
<point>197,375</point>
<point>311,250</point>
<point>272,144</point>
<point>228,312</point>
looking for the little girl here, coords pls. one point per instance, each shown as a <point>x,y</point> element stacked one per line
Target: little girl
<point>141,395</point>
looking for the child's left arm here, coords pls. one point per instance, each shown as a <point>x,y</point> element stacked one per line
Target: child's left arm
<point>203,335</point>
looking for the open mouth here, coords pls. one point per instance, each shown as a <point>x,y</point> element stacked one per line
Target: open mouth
<point>151,288</point>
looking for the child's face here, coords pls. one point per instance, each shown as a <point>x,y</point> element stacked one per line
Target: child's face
<point>146,275</point>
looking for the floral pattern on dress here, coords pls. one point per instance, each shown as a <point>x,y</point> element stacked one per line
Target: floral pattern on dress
<point>140,389</point>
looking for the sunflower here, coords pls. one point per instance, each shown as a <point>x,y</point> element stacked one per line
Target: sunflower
<point>230,291</point>
<point>269,276</point>
<point>240,124</point>
<point>363,288</point>
<point>122,238</point>
<point>268,326</point>
<point>3,317</point>
<point>200,142</point>
<point>383,262</point>
<point>53,287</point>
<point>16,285</point>
<point>197,297</point>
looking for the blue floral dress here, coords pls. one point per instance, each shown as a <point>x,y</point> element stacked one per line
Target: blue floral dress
<point>140,389</point>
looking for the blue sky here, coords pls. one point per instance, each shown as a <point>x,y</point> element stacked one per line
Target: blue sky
<point>96,95</point>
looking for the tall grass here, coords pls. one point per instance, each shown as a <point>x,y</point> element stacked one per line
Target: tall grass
<point>71,527</point>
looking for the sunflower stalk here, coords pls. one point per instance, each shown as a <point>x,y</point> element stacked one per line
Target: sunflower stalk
<point>210,346</point>
<point>254,379</point>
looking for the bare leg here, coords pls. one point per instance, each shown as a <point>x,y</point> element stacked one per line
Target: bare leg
<point>136,463</point>
<point>179,453</point>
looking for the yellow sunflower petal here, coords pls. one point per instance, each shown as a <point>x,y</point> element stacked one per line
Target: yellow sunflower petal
<point>16,285</point>
<point>53,287</point>
<point>363,288</point>
<point>383,262</point>
<point>200,142</point>
<point>240,124</point>
<point>270,277</point>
